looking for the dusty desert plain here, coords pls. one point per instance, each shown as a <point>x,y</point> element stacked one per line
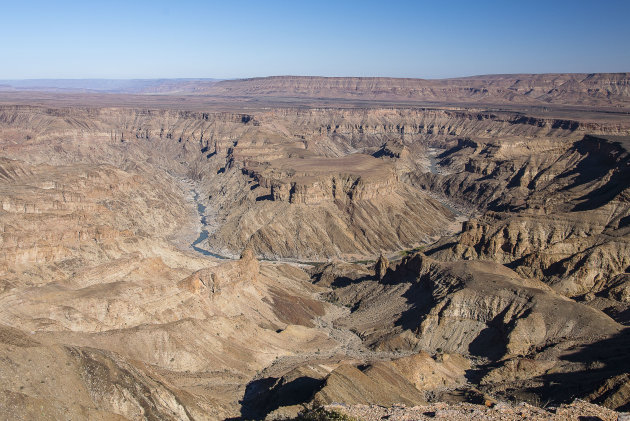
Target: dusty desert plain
<point>323,248</point>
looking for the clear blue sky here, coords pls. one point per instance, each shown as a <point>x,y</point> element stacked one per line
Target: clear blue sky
<point>186,38</point>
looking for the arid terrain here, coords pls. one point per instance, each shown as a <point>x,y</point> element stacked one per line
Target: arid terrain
<point>373,247</point>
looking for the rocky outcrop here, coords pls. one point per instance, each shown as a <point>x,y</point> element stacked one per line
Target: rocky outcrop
<point>559,218</point>
<point>613,393</point>
<point>103,297</point>
<point>393,149</point>
<point>531,316</point>
<point>312,180</point>
<point>343,188</point>
<point>325,274</point>
<point>476,308</point>
<point>381,266</point>
<point>578,409</point>
<point>211,281</point>
<point>381,383</point>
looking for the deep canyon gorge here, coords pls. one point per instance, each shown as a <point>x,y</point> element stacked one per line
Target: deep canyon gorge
<point>256,248</point>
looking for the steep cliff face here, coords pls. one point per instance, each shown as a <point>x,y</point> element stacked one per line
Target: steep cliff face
<point>311,181</point>
<point>477,308</point>
<point>97,213</point>
<point>312,158</point>
<point>318,222</point>
<point>537,341</point>
<point>561,215</point>
<point>343,187</point>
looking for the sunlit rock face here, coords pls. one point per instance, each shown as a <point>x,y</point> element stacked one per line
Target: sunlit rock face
<point>379,254</point>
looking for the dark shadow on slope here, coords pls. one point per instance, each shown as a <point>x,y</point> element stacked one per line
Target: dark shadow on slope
<point>445,246</point>
<point>423,295</point>
<point>586,369</point>
<point>297,391</point>
<point>265,395</point>
<point>411,318</point>
<point>604,194</point>
<point>256,398</point>
<point>599,159</point>
<point>516,179</point>
<point>264,197</point>
<point>620,314</point>
<point>491,342</point>
<point>421,301</point>
<point>344,281</point>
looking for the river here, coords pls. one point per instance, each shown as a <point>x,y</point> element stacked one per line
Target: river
<point>432,155</point>
<point>203,234</point>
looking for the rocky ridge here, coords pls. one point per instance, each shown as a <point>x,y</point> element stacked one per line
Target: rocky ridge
<point>101,294</point>
<point>591,89</point>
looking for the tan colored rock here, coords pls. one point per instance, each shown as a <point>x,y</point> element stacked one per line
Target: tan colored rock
<point>381,266</point>
<point>428,373</point>
<point>110,314</point>
<point>614,393</point>
<point>381,384</point>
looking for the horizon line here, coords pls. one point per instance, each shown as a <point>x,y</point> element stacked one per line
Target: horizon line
<point>297,75</point>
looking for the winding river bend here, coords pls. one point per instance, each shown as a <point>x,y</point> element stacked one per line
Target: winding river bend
<point>197,245</point>
<point>203,234</point>
<point>432,155</point>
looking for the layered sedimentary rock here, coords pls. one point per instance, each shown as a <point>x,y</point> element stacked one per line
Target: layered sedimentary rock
<point>559,216</point>
<point>469,307</point>
<point>570,90</point>
<point>315,180</point>
<point>591,89</point>
<point>101,294</point>
<point>232,151</point>
<point>540,342</point>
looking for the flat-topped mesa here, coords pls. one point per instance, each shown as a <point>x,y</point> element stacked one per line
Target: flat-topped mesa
<point>247,156</point>
<point>342,187</point>
<point>315,180</point>
<point>560,88</point>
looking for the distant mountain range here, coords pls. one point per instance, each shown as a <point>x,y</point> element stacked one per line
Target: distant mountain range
<point>597,89</point>
<point>129,86</point>
<point>610,90</point>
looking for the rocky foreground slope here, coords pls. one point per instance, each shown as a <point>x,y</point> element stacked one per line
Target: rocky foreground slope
<point>577,410</point>
<point>453,256</point>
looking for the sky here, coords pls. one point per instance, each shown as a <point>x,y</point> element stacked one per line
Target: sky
<point>236,39</point>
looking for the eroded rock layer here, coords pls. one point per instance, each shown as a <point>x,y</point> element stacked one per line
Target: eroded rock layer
<point>455,255</point>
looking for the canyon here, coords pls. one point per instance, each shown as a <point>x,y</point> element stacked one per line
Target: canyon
<point>261,248</point>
